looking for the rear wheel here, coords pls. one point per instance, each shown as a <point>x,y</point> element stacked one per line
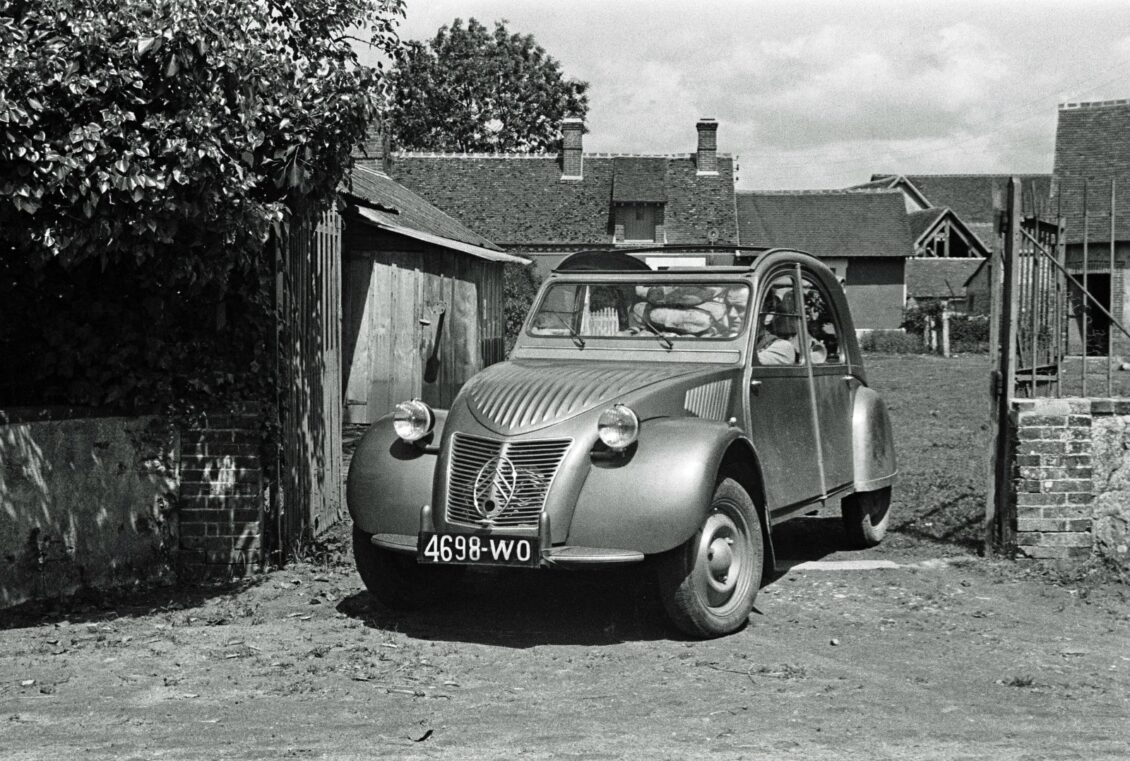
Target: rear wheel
<point>709,584</point>
<point>866,516</point>
<point>396,579</point>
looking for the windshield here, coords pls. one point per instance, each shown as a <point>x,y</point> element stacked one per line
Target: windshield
<point>627,310</point>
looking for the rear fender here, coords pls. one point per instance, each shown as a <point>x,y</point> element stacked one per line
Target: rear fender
<point>655,498</point>
<point>873,446</point>
<point>390,479</point>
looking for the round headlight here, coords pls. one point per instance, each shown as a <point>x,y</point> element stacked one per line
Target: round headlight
<point>618,426</point>
<point>413,420</point>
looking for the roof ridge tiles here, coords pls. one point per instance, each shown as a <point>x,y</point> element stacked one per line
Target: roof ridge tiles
<point>820,192</point>
<point>552,156</point>
<point>978,174</point>
<point>1074,105</point>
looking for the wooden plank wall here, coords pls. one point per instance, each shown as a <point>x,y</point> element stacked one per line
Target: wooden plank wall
<point>393,283</point>
<point>310,358</point>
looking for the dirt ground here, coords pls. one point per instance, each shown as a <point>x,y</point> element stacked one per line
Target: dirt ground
<point>939,657</point>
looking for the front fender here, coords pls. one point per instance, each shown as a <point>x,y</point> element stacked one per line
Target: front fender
<point>390,479</point>
<point>656,498</point>
<point>873,444</point>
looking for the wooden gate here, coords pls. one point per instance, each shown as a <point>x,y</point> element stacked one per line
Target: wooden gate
<point>1041,292</point>
<point>310,416</point>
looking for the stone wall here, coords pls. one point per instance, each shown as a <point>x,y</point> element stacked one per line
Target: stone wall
<point>84,503</point>
<point>109,501</point>
<point>1072,478</point>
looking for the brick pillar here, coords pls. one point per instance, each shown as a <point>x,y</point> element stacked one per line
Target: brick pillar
<point>219,509</point>
<point>706,157</point>
<point>1053,478</point>
<point>572,158</point>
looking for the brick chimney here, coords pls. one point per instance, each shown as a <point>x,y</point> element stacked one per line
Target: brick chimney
<point>572,161</point>
<point>375,150</point>
<point>707,155</point>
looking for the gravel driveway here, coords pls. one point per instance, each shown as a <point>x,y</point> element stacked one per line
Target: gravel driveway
<point>919,657</point>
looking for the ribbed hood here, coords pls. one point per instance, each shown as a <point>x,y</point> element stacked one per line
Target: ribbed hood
<point>516,397</point>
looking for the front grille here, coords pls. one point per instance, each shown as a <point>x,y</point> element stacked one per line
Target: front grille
<point>535,463</point>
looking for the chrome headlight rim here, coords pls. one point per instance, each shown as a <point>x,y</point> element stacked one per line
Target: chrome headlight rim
<point>618,427</point>
<point>413,420</point>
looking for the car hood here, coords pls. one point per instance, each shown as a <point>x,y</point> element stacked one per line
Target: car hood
<point>516,397</point>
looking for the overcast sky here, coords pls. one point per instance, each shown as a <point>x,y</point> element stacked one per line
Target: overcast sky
<point>823,94</point>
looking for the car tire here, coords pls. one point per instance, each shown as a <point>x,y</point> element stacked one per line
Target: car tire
<point>395,579</point>
<point>866,516</point>
<point>708,584</point>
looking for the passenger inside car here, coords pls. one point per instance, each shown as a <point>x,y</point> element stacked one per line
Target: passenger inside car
<point>776,341</point>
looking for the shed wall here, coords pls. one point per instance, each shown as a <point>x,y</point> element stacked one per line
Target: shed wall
<point>392,285</point>
<point>876,292</point>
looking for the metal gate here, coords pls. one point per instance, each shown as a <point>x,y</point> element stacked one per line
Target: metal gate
<point>310,409</point>
<point>1051,334</point>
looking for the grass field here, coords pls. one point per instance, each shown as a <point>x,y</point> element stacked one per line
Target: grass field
<point>939,409</point>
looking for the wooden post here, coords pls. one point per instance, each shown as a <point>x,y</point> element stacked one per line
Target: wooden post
<point>1110,291</point>
<point>998,529</point>
<point>945,329</point>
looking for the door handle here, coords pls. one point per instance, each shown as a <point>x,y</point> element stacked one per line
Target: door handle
<point>754,384</point>
<point>847,378</point>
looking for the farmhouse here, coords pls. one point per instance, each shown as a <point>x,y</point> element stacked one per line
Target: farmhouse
<point>864,237</point>
<point>546,206</point>
<point>1092,163</point>
<point>971,198</point>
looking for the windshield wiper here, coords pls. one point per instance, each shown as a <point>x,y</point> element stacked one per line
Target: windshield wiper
<point>580,342</point>
<point>664,341</point>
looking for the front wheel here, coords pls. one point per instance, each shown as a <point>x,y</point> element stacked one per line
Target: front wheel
<point>866,516</point>
<point>709,584</point>
<point>395,579</point>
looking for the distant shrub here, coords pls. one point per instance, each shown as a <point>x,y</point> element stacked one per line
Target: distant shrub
<point>969,333</point>
<point>891,342</point>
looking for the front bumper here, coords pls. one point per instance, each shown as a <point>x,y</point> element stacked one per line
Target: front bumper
<point>560,556</point>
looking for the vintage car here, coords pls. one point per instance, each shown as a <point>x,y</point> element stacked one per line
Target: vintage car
<point>672,415</point>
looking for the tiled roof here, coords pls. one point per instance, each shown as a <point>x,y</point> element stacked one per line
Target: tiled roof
<point>399,206</point>
<point>894,182</point>
<point>939,278</point>
<point>970,196</point>
<point>827,224</point>
<point>921,221</point>
<point>1092,144</point>
<point>521,200</point>
<point>639,180</point>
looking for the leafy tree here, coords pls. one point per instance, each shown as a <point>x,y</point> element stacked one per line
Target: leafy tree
<point>469,89</point>
<point>147,148</point>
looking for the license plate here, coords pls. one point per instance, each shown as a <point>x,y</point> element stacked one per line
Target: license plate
<point>473,549</point>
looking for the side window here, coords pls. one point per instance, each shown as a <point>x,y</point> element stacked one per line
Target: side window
<point>820,320</point>
<point>778,324</point>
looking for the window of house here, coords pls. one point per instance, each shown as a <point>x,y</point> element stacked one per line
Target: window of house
<point>639,221</point>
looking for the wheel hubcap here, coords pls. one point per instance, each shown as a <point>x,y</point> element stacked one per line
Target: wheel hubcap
<point>722,558</point>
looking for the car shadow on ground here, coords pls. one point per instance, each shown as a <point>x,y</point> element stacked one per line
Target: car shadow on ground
<point>526,608</point>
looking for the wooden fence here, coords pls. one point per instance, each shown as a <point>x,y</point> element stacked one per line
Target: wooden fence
<point>309,300</point>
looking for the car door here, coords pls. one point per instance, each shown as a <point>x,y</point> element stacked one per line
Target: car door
<point>831,381</point>
<point>782,421</point>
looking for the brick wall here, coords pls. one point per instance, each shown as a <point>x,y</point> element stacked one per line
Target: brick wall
<point>221,501</point>
<point>1072,478</point>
